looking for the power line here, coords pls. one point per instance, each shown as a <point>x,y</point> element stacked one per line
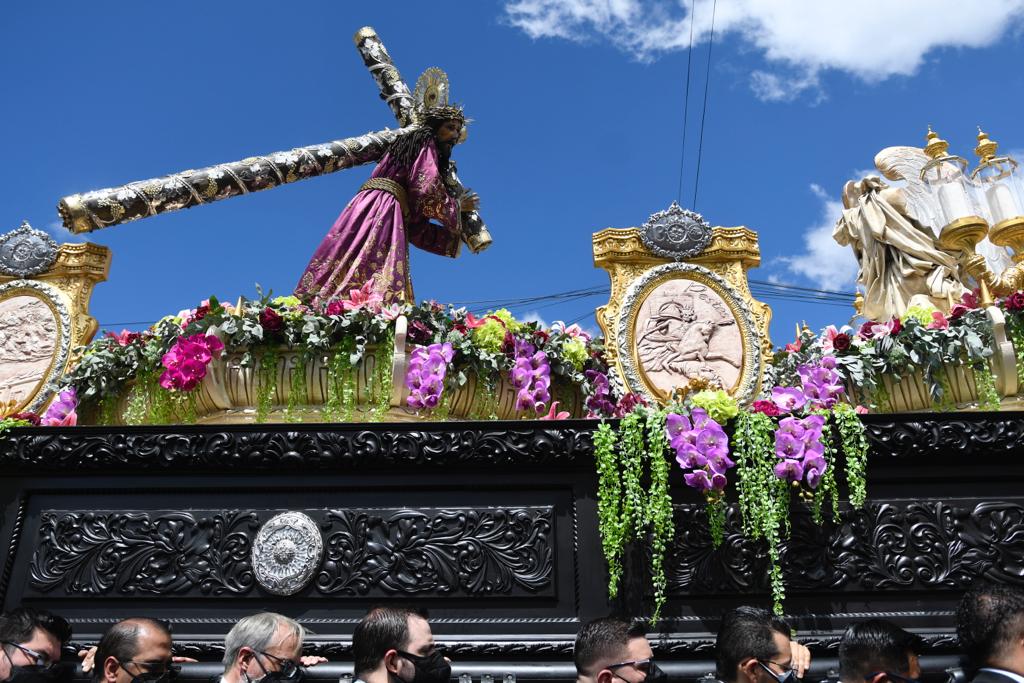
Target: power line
<point>707,83</point>
<point>686,107</point>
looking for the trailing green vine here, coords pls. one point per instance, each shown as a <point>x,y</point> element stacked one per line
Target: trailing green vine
<point>658,510</point>
<point>988,397</point>
<point>267,383</point>
<point>764,498</point>
<point>609,503</point>
<point>383,381</point>
<point>855,447</point>
<point>827,486</point>
<point>297,387</point>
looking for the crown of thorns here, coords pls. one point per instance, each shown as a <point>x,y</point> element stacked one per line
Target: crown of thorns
<point>439,114</point>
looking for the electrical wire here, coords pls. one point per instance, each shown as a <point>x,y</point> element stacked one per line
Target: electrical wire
<point>707,82</point>
<point>686,107</point>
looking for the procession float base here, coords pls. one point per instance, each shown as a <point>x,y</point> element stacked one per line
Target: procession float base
<point>491,525</point>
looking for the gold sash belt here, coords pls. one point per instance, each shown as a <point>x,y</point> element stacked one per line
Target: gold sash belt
<point>391,187</point>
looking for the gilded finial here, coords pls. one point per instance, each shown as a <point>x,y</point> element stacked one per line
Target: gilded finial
<point>986,148</point>
<point>936,146</point>
<point>858,302</point>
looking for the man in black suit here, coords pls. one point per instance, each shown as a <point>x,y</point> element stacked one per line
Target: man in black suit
<point>878,651</point>
<point>990,625</point>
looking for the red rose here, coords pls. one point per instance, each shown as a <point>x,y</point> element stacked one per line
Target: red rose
<point>895,326</point>
<point>335,308</point>
<point>841,342</point>
<point>867,330</point>
<point>270,320</point>
<point>459,327</point>
<point>542,336</point>
<point>1015,302</point>
<point>419,333</point>
<point>957,311</point>
<point>767,407</point>
<point>31,418</point>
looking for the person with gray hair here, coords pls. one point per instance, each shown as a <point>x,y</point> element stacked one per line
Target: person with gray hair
<point>265,647</point>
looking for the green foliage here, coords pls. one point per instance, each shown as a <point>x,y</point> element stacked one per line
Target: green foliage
<point>297,388</point>
<point>720,406</point>
<point>827,486</point>
<point>855,447</point>
<point>764,498</point>
<point>988,397</point>
<point>626,511</point>
<point>266,383</point>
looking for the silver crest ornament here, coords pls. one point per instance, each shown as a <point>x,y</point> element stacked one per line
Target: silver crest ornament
<point>25,252</point>
<point>287,552</point>
<point>676,233</point>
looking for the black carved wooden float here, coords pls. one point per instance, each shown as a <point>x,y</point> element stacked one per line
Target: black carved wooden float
<point>491,525</point>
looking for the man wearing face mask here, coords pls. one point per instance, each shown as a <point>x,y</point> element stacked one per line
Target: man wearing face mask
<point>878,651</point>
<point>136,650</point>
<point>990,627</point>
<point>30,646</point>
<point>265,647</point>
<point>754,646</point>
<point>395,645</point>
<point>611,650</point>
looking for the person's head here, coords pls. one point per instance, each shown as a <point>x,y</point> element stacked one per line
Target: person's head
<point>30,638</point>
<point>264,646</point>
<point>878,651</point>
<point>136,650</point>
<point>613,650</point>
<point>990,626</point>
<point>753,646</point>
<point>396,644</point>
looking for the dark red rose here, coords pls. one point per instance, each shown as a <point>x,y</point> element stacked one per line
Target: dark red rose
<point>334,308</point>
<point>419,333</point>
<point>1015,302</point>
<point>270,320</point>
<point>767,407</point>
<point>200,312</point>
<point>957,311</point>
<point>841,342</point>
<point>31,418</point>
<point>459,327</point>
<point>542,336</point>
<point>895,326</point>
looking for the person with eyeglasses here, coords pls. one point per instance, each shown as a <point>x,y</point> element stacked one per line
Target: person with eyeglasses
<point>135,650</point>
<point>614,650</point>
<point>754,646</point>
<point>396,645</point>
<point>990,627</point>
<point>30,646</point>
<point>879,651</point>
<point>266,647</point>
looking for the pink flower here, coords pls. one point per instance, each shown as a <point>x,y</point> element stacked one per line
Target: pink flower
<point>573,330</point>
<point>555,413</point>
<point>334,308</point>
<point>61,412</point>
<point>125,338</point>
<point>794,347</point>
<point>861,410</point>
<point>767,407</point>
<point>473,323</point>
<point>391,312</point>
<point>939,321</point>
<point>364,297</point>
<point>969,299</point>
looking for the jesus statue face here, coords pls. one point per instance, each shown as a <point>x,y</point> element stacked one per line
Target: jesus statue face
<point>448,134</point>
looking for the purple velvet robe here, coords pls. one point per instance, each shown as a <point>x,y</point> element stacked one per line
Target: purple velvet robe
<point>370,240</point>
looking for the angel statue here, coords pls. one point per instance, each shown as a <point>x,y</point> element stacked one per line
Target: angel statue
<point>894,234</point>
<point>412,196</point>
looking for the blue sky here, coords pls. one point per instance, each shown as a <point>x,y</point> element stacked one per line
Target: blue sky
<point>578,120</point>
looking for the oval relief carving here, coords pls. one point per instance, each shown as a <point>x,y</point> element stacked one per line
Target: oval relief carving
<point>34,341</point>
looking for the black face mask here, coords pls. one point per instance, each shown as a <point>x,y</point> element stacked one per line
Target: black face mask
<point>430,669</point>
<point>288,673</point>
<point>788,677</point>
<point>58,673</point>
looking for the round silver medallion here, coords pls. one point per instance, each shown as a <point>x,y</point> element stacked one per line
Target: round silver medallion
<point>676,233</point>
<point>25,252</point>
<point>287,552</point>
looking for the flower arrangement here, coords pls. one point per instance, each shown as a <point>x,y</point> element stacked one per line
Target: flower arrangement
<point>923,341</point>
<point>160,369</point>
<point>788,442</point>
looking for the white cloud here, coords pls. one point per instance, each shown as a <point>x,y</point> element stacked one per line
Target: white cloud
<point>60,234</point>
<point>825,263</point>
<point>799,39</point>
<point>533,317</point>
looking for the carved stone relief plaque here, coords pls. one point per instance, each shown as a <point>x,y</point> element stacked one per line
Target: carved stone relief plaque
<point>682,324</point>
<point>685,331</point>
<point>34,342</point>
